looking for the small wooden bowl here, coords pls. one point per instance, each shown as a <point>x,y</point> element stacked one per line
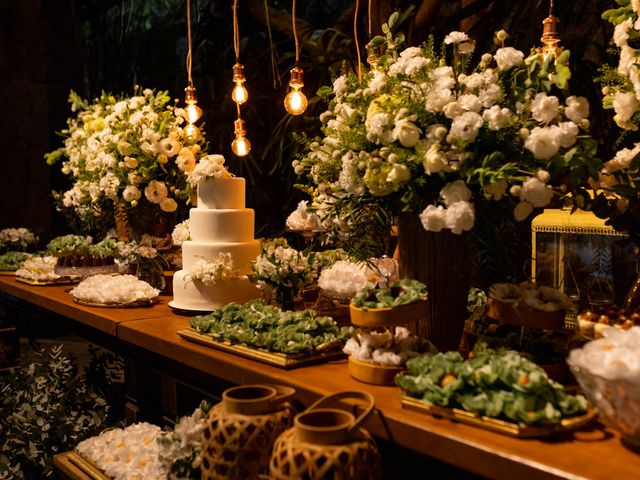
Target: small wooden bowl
<point>525,316</point>
<point>388,317</point>
<point>372,373</point>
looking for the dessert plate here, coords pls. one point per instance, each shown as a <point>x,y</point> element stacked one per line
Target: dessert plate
<point>147,302</point>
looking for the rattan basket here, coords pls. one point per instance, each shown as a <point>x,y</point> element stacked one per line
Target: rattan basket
<point>327,443</point>
<point>239,435</point>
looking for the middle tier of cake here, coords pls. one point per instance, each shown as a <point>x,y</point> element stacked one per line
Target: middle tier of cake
<point>221,225</point>
<point>243,253</point>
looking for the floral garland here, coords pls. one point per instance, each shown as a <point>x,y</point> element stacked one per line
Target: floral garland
<point>422,132</point>
<point>130,149</point>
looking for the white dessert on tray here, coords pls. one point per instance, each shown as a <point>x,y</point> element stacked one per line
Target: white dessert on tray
<point>114,290</point>
<point>39,270</point>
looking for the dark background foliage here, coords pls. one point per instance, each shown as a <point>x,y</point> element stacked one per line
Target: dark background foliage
<point>50,46</point>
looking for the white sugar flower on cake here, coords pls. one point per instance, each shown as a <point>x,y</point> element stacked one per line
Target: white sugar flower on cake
<point>211,271</point>
<point>38,269</point>
<point>211,166</point>
<point>181,232</point>
<point>345,278</point>
<point>117,289</point>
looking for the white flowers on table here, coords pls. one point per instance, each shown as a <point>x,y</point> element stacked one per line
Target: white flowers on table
<point>302,219</point>
<point>113,289</point>
<point>209,272</point>
<point>344,278</point>
<point>383,348</point>
<point>210,166</point>
<point>38,269</point>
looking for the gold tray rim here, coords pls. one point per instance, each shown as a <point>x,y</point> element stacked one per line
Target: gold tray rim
<point>496,425</point>
<point>48,283</point>
<point>8,273</point>
<point>281,360</point>
<point>137,303</point>
<point>86,466</point>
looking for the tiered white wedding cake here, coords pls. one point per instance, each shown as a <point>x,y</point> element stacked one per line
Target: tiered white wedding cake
<point>217,258</point>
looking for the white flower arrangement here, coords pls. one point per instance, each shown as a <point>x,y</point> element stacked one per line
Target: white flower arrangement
<point>302,219</point>
<point>211,271</point>
<point>209,166</point>
<point>38,269</point>
<point>282,268</point>
<point>344,278</point>
<point>113,289</point>
<point>12,238</point>
<point>181,232</point>
<point>384,348</point>
<point>127,149</point>
<point>416,125</point>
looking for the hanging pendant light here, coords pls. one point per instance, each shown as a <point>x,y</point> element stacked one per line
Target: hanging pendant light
<point>296,101</point>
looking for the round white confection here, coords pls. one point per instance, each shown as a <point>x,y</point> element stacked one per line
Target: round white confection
<point>194,295</point>
<point>243,253</point>
<point>221,193</point>
<point>228,225</point>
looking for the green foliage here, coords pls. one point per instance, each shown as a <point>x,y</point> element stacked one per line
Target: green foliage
<point>45,409</point>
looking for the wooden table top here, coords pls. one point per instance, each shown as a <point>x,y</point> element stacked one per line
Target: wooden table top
<point>57,299</point>
<point>594,453</point>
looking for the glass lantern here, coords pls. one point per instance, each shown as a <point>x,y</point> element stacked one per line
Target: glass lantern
<point>593,264</point>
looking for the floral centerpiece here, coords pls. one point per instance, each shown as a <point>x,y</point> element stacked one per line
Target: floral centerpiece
<point>16,239</point>
<point>282,270</point>
<point>618,198</point>
<point>128,151</point>
<point>424,133</point>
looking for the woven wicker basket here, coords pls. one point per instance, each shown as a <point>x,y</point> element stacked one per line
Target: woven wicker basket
<point>327,443</point>
<point>238,445</point>
<point>336,308</point>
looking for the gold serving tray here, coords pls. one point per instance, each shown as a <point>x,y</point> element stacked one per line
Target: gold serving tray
<point>46,283</point>
<point>496,425</point>
<point>282,360</point>
<point>137,303</point>
<point>77,467</point>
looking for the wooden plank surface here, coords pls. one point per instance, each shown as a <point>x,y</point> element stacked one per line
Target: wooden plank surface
<point>57,299</point>
<point>593,453</point>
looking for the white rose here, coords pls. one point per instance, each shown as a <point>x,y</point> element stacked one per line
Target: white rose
<point>455,192</point>
<point>460,217</point>
<point>577,108</point>
<point>470,102</point>
<point>522,211</point>
<point>565,133</point>
<point>465,127</point>
<point>542,143</point>
<point>433,218</point>
<point>131,193</point>
<point>168,205</point>
<point>536,192</point>
<point>456,37</point>
<point>433,162</point>
<point>625,105</point>
<point>407,133</point>
<point>496,190</point>
<point>181,232</point>
<point>156,191</point>
<point>452,110</point>
<point>508,57</point>
<point>496,117</point>
<point>544,107</point>
<point>399,174</point>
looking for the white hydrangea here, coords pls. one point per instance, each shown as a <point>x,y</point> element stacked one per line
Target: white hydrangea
<point>211,271</point>
<point>181,232</point>
<point>302,219</point>
<point>210,166</point>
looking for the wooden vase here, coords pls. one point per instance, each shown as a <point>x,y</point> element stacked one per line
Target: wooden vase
<point>439,260</point>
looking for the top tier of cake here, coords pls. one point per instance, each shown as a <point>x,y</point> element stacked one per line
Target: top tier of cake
<point>221,193</point>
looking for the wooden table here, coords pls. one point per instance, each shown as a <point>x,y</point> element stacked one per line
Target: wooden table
<point>593,453</point>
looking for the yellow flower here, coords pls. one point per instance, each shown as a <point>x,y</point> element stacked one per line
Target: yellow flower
<point>130,162</point>
<point>156,191</point>
<point>168,205</point>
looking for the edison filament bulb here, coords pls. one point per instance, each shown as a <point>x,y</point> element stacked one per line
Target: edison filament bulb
<point>241,146</point>
<point>193,111</point>
<point>296,101</point>
<point>239,93</point>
